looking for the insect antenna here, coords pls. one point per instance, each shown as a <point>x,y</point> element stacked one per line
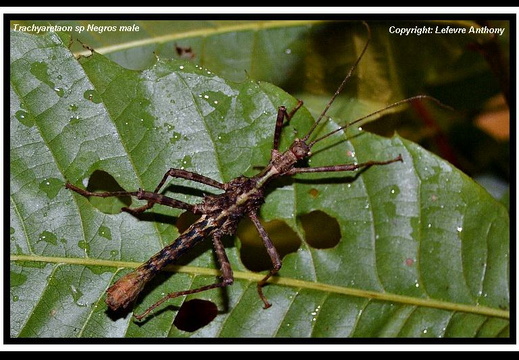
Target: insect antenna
<point>341,86</point>
<point>395,104</point>
<point>339,90</point>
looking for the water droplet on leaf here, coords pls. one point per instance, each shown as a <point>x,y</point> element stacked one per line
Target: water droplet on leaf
<point>24,117</point>
<point>51,187</point>
<point>48,237</point>
<point>93,96</point>
<point>59,91</point>
<point>105,232</point>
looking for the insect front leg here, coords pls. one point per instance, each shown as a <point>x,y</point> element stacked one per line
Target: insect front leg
<point>280,120</point>
<point>346,167</point>
<point>274,257</point>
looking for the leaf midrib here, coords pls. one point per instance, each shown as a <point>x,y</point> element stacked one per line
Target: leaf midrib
<point>285,281</point>
<point>204,32</point>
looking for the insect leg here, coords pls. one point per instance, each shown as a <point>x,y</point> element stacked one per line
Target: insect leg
<point>227,278</point>
<point>346,167</point>
<point>153,198</point>
<point>223,260</point>
<point>178,173</point>
<point>282,115</point>
<point>274,257</point>
<point>188,175</point>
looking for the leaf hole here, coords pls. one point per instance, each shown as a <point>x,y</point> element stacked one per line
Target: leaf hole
<point>102,181</point>
<point>321,230</point>
<point>253,253</point>
<point>195,314</point>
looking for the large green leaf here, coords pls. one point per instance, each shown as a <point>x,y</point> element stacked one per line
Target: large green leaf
<point>424,251</point>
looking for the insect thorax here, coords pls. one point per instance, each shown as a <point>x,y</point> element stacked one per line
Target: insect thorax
<point>241,197</point>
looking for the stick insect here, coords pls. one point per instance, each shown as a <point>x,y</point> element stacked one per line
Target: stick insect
<point>220,214</point>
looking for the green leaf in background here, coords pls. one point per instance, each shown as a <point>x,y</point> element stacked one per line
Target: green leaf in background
<point>424,250</point>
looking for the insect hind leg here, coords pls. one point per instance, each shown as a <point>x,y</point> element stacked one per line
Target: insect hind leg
<point>274,257</point>
<point>226,271</point>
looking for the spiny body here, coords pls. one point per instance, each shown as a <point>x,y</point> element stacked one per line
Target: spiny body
<point>220,216</point>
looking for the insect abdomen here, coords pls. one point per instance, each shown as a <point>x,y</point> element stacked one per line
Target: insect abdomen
<point>127,288</point>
